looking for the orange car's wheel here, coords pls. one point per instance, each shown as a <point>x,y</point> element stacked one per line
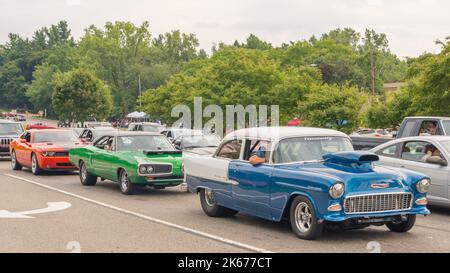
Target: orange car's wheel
<point>14,164</point>
<point>35,169</point>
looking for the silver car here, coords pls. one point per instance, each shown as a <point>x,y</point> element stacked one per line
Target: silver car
<point>426,154</point>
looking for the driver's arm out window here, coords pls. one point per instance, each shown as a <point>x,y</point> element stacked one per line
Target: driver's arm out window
<point>256,145</point>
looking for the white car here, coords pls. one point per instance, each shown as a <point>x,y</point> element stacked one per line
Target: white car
<point>173,133</point>
<point>146,127</point>
<point>426,154</point>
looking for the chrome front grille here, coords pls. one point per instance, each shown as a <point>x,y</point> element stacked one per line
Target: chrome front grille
<point>160,168</point>
<point>378,203</point>
<point>5,141</point>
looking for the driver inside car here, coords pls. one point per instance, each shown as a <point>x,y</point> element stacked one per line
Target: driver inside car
<point>431,151</point>
<point>259,157</point>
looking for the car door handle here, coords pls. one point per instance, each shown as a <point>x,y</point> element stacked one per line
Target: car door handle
<point>402,166</point>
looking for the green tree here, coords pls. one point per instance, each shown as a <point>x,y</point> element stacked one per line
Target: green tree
<point>346,36</point>
<point>254,42</point>
<point>373,49</point>
<point>121,53</point>
<point>41,90</point>
<point>234,76</point>
<point>79,94</point>
<point>12,86</point>
<point>61,58</point>
<point>19,58</point>
<point>114,52</point>
<point>326,104</point>
<point>429,83</point>
<point>389,113</point>
<point>175,48</point>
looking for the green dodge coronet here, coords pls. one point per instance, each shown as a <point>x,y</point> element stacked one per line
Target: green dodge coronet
<point>132,159</point>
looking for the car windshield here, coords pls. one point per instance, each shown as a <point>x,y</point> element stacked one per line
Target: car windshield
<point>309,148</point>
<point>200,141</point>
<point>151,128</point>
<point>10,129</point>
<point>55,137</point>
<point>147,143</point>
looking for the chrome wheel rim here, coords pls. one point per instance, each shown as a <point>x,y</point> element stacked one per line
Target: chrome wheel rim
<point>209,197</point>
<point>303,217</point>
<point>13,159</point>
<point>124,181</point>
<point>33,164</point>
<point>83,172</point>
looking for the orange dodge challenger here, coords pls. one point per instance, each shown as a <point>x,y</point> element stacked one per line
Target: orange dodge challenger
<point>43,150</point>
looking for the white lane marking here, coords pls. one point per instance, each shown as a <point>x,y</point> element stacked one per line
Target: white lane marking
<point>152,219</point>
<point>51,207</point>
<point>8,214</point>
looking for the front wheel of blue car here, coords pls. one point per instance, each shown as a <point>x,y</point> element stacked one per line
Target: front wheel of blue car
<point>303,219</point>
<point>403,225</point>
<point>210,206</point>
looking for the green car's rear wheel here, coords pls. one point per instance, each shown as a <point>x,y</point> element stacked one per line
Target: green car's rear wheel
<point>86,178</point>
<point>126,187</point>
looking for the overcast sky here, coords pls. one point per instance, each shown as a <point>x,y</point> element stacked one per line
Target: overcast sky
<point>412,26</point>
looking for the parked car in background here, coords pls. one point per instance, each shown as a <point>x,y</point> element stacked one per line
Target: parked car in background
<point>20,118</point>
<point>426,154</point>
<point>132,159</point>
<point>43,150</point>
<point>174,133</point>
<point>90,124</point>
<point>310,175</point>
<point>383,133</point>
<point>39,126</point>
<point>411,126</point>
<point>9,130</point>
<point>77,131</point>
<point>146,127</point>
<point>89,135</point>
<point>64,123</point>
<point>197,144</point>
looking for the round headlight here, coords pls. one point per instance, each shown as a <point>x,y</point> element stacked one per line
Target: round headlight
<point>143,169</point>
<point>423,186</point>
<point>149,169</point>
<point>337,190</point>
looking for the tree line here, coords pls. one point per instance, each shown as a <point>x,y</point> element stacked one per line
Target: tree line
<point>337,75</point>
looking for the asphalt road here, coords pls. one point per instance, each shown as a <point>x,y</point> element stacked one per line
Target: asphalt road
<point>101,219</point>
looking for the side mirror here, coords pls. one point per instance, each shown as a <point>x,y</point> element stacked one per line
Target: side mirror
<point>23,141</point>
<point>437,160</point>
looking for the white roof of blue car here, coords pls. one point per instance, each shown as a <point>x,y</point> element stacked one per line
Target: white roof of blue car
<point>276,133</point>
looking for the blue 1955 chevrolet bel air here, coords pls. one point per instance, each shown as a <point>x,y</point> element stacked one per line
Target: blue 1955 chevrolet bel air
<point>311,176</point>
